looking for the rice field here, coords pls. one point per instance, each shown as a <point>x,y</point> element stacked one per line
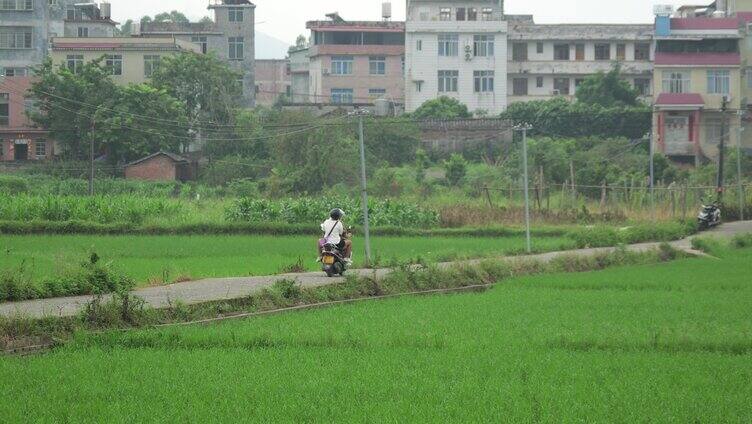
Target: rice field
<point>165,259</point>
<point>656,343</point>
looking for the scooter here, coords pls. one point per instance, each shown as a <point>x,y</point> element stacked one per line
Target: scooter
<point>333,260</point>
<point>709,216</point>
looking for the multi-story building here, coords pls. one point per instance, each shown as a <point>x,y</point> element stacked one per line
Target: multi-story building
<point>701,93</point>
<point>27,25</point>
<point>131,60</point>
<point>299,76</point>
<point>457,49</point>
<point>356,62</point>
<point>20,140</point>
<point>273,81</point>
<point>230,36</point>
<point>552,60</point>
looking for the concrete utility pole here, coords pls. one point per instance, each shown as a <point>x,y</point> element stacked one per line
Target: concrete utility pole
<point>721,148</point>
<point>364,184</point>
<point>739,181</point>
<point>652,176</point>
<point>525,128</point>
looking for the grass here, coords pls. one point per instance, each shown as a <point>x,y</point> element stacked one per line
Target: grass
<point>165,259</point>
<point>657,343</point>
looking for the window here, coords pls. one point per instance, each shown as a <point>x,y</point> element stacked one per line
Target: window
<point>577,83</point>
<point>719,82</point>
<point>445,14</point>
<point>561,86</point>
<point>14,72</point>
<point>539,82</point>
<point>519,52</point>
<point>748,74</point>
<point>642,51</point>
<point>377,64</point>
<point>561,51</point>
<point>449,81</point>
<point>472,14</point>
<point>201,41</point>
<point>621,52</point>
<point>402,62</point>
<point>74,62</point>
<point>4,109</point>
<point>342,65</point>
<point>602,52</point>
<point>449,44</point>
<point>40,148</point>
<point>643,86</point>
<point>676,82</point>
<point>15,38</point>
<point>539,48</point>
<point>150,64</point>
<point>236,48</point>
<point>713,130</point>
<point>115,63</point>
<point>484,81</point>
<point>342,95</point>
<point>16,5</point>
<point>483,45</point>
<point>579,52</point>
<point>70,14</point>
<point>376,93</point>
<point>461,15</point>
<point>419,45</point>
<point>519,87</point>
<point>83,32</point>
<point>235,14</point>
<point>486,14</point>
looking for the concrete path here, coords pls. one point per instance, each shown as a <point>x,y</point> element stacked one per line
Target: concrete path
<point>216,289</point>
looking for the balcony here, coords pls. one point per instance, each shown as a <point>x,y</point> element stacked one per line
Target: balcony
<point>354,50</point>
<point>571,67</point>
<point>698,59</point>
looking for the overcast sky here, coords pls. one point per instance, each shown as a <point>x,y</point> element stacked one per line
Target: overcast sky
<point>285,19</point>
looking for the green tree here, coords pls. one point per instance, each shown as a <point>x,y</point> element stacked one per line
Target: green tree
<point>206,20</point>
<point>127,137</point>
<point>209,90</point>
<point>607,90</point>
<point>126,29</point>
<point>67,102</point>
<point>456,168</point>
<point>442,108</point>
<point>391,142</point>
<point>86,106</point>
<point>300,43</point>
<point>173,16</point>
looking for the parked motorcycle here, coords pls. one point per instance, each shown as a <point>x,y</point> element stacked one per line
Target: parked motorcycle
<point>709,216</point>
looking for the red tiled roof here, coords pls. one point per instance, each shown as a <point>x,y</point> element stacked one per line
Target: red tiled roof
<point>677,99</point>
<point>704,23</point>
<point>698,59</point>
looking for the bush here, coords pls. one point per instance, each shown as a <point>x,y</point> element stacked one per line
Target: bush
<point>456,168</point>
<point>606,236</point>
<point>13,185</point>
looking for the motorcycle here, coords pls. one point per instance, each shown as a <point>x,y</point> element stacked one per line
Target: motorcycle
<point>333,260</point>
<point>709,216</point>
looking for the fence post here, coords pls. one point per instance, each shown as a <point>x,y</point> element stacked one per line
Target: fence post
<point>603,196</point>
<point>574,186</point>
<point>684,201</point>
<point>488,197</point>
<point>563,196</point>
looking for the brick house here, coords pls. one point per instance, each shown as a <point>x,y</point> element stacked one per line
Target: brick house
<point>161,166</point>
<point>19,139</point>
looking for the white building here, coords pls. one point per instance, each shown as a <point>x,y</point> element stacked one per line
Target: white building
<point>456,49</point>
<point>552,60</point>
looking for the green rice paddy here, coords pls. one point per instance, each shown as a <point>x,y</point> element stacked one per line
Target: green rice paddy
<point>658,343</point>
<point>164,259</point>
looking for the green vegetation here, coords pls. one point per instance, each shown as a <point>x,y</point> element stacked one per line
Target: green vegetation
<point>616,345</point>
<point>166,259</point>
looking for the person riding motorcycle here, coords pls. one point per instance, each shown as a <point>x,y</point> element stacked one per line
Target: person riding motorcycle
<point>335,233</point>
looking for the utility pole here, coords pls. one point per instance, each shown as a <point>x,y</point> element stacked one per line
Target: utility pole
<point>364,185</point>
<point>525,128</point>
<point>721,148</point>
<point>91,158</point>
<point>739,181</point>
<point>652,176</point>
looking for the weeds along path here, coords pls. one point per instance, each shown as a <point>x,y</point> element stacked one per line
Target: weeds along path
<point>218,289</point>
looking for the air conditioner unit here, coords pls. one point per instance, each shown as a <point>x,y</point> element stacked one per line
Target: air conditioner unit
<point>663,10</point>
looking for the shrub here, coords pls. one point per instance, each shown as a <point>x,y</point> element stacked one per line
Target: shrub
<point>456,168</point>
<point>13,185</point>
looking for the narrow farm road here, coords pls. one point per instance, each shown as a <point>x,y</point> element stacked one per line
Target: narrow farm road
<point>217,289</point>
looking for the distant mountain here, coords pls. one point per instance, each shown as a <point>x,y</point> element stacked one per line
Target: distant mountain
<point>268,47</point>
